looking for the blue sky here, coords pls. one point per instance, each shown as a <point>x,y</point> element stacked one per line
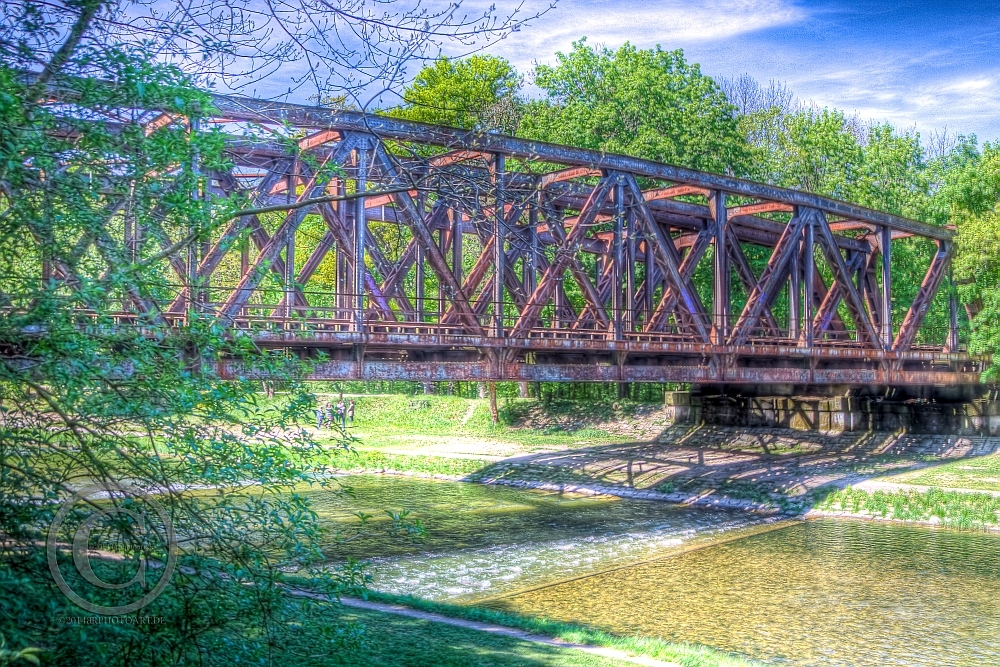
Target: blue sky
<point>923,65</point>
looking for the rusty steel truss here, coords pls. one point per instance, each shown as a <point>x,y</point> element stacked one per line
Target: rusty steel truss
<point>453,255</point>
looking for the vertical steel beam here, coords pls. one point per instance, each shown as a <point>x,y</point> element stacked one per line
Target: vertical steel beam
<point>420,277</point>
<point>721,304</point>
<point>289,281</point>
<point>952,345</point>
<point>809,273</point>
<point>244,255</point>
<point>499,245</point>
<point>618,260</point>
<point>192,249</point>
<point>360,229</point>
<point>630,249</point>
<point>650,291</point>
<point>885,235</point>
<point>443,240</point>
<point>531,260</point>
<point>456,243</point>
<point>419,288</point>
<point>341,268</point>
<point>795,293</point>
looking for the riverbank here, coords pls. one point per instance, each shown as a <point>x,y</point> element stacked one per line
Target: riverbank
<point>891,477</point>
<point>400,621</point>
<point>595,448</point>
<point>956,508</point>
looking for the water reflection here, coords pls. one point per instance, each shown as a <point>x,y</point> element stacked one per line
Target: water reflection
<point>821,593</point>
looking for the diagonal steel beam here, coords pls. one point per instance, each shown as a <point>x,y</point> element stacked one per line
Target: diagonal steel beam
<point>770,281</point>
<point>936,272</point>
<point>564,256</point>
<point>665,254</point>
<point>668,300</point>
<point>236,227</point>
<point>346,242</point>
<point>855,305</point>
<point>746,276</point>
<point>230,310</point>
<point>425,238</point>
<point>826,314</point>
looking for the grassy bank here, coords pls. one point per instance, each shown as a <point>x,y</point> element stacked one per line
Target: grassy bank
<point>389,640</point>
<point>689,655</point>
<point>395,420</point>
<point>980,473</point>
<point>426,643</point>
<point>949,508</point>
<point>363,460</point>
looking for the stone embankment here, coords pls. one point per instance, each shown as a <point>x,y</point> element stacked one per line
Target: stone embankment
<point>751,468</point>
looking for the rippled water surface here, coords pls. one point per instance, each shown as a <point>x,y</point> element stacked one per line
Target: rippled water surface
<point>828,592</point>
<point>820,593</point>
<point>483,541</point>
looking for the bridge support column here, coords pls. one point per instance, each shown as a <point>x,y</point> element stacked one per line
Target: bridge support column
<point>499,245</point>
<point>360,230</point>
<point>679,408</point>
<point>721,305</point>
<point>808,274</point>
<point>885,237</point>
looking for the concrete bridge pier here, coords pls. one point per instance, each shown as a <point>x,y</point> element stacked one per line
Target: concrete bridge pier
<point>973,412</point>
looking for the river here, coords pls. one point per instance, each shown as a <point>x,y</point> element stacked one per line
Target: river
<point>825,592</point>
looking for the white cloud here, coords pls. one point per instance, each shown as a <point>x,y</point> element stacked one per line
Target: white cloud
<point>968,86</point>
<point>670,23</point>
<point>907,98</point>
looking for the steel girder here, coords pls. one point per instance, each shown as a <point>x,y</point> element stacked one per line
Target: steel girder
<point>447,254</point>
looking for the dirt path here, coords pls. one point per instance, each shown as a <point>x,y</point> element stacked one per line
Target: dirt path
<point>504,631</point>
<point>602,651</point>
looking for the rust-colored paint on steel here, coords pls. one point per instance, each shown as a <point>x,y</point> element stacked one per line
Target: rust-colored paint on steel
<point>454,264</point>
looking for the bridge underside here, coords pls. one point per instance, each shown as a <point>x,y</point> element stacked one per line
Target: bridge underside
<point>386,249</point>
<point>408,352</point>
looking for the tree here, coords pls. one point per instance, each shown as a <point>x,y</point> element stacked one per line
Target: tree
<point>352,49</point>
<point>968,193</point>
<point>647,103</point>
<point>478,92</point>
<point>100,148</point>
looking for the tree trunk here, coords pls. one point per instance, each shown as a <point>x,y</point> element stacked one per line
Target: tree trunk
<point>494,413</point>
<point>522,390</point>
<point>482,389</point>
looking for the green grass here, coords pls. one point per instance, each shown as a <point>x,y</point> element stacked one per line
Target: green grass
<point>688,655</point>
<point>361,460</point>
<point>381,419</point>
<point>390,640</point>
<point>950,508</point>
<point>980,473</point>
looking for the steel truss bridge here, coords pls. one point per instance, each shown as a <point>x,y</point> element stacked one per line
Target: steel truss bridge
<point>454,255</point>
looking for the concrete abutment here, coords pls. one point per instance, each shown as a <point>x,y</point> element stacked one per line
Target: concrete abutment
<point>979,416</point>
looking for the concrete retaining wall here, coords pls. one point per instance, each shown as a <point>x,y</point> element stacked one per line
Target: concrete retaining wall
<point>838,414</point>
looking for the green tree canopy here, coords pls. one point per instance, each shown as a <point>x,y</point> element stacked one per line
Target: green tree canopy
<point>647,103</point>
<point>480,91</point>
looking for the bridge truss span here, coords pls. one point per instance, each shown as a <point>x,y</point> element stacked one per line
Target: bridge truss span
<point>388,249</point>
